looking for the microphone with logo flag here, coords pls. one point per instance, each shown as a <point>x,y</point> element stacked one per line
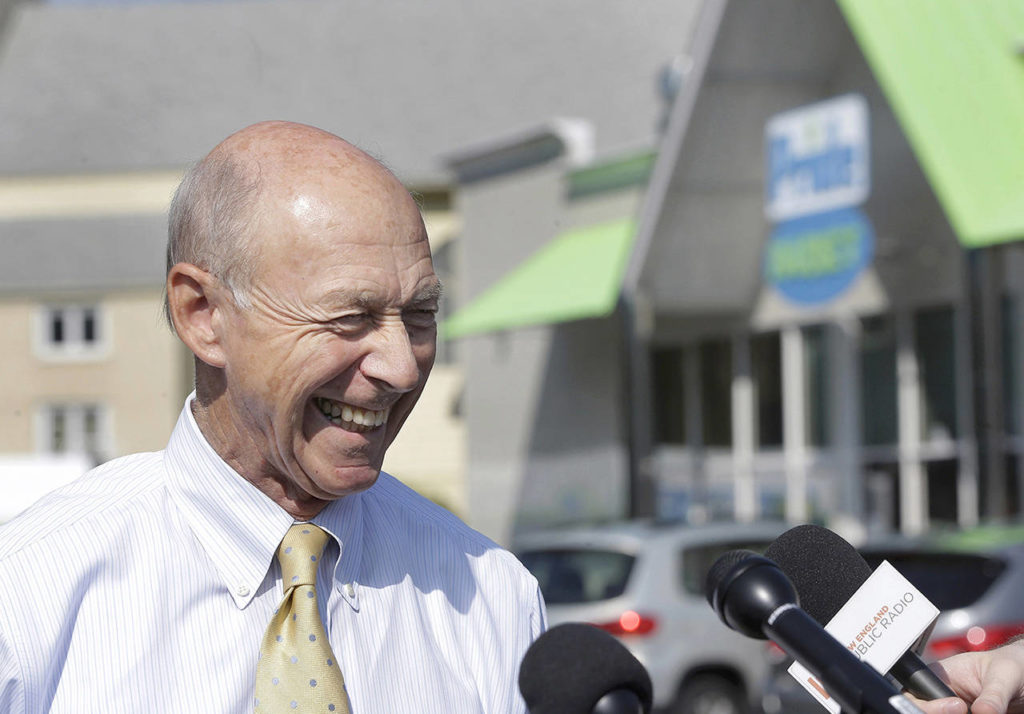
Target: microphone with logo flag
<point>753,596</point>
<point>878,616</point>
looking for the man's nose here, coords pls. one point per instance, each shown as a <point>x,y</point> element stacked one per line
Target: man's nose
<point>391,358</point>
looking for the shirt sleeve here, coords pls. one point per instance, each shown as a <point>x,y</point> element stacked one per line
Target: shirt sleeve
<point>12,686</point>
<point>536,624</point>
<point>538,617</point>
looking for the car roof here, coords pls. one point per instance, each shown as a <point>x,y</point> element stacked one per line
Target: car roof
<point>633,535</point>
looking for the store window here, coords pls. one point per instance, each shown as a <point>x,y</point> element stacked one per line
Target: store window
<point>816,412</point>
<point>716,392</point>
<point>878,400</point>
<point>766,371</point>
<point>882,496</point>
<point>936,353</point>
<point>74,428</point>
<point>1011,342</point>
<point>942,491</point>
<point>668,400</point>
<point>70,331</point>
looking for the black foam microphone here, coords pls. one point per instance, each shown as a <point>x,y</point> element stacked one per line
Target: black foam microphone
<point>754,597</point>
<point>827,571</point>
<point>578,669</point>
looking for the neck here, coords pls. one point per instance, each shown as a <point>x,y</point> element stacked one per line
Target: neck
<point>243,454</point>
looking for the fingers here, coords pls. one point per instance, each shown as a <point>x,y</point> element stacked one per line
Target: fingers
<point>951,705</point>
<point>1002,682</point>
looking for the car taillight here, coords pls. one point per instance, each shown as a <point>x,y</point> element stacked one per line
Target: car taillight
<point>974,639</point>
<point>774,654</point>
<point>629,623</point>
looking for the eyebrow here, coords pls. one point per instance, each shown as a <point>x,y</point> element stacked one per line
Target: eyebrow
<point>431,293</point>
<point>428,294</point>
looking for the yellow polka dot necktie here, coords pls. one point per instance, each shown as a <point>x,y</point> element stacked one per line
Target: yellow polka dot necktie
<point>297,670</point>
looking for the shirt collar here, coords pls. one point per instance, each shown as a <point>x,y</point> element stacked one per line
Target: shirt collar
<point>343,519</point>
<point>238,525</point>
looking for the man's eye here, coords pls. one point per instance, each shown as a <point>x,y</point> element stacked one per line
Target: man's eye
<point>357,319</point>
<point>424,317</point>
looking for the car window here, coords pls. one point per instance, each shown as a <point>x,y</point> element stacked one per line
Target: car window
<point>697,560</point>
<point>949,580</point>
<point>578,575</point>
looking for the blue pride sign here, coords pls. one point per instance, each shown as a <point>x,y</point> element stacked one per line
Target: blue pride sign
<point>813,259</point>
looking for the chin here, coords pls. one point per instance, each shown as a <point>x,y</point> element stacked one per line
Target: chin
<point>348,480</point>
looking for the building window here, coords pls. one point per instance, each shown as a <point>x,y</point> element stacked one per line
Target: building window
<point>71,332</point>
<point>816,358</point>
<point>74,428</point>
<point>716,392</point>
<point>878,381</point>
<point>766,370</point>
<point>1009,318</point>
<point>669,399</point>
<point>935,349</point>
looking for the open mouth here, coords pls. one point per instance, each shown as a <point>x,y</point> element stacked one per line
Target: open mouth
<point>349,417</point>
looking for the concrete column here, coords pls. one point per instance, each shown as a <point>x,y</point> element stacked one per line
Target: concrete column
<point>844,417</point>
<point>745,488</point>
<point>1017,398</point>
<point>699,510</point>
<point>913,486</point>
<point>794,406</point>
<point>968,505</point>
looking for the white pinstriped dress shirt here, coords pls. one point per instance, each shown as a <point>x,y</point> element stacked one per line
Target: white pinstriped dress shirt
<point>146,586</point>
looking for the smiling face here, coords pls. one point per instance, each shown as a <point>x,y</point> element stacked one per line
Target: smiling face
<point>325,358</point>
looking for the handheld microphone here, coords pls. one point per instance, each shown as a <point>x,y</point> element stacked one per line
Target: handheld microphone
<point>754,597</point>
<point>579,669</point>
<point>826,572</point>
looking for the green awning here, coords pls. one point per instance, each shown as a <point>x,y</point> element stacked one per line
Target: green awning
<point>953,71</point>
<point>577,275</point>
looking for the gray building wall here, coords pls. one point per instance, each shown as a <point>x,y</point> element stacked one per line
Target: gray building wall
<point>546,429</point>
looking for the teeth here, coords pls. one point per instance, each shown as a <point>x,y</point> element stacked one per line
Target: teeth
<point>349,416</point>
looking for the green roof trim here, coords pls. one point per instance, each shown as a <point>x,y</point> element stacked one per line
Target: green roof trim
<point>576,276</point>
<point>953,71</point>
<point>632,170</point>
<point>984,537</point>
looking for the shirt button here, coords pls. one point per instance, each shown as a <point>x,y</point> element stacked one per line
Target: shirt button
<point>241,591</point>
<point>349,590</point>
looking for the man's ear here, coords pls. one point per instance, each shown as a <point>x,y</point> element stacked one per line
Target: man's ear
<point>196,299</point>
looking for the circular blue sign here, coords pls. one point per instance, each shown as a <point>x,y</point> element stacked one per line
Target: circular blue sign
<point>811,260</point>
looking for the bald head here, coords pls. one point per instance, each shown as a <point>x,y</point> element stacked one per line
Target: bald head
<point>271,166</point>
<point>300,277</point>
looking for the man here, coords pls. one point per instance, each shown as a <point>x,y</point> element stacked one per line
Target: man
<point>262,561</point>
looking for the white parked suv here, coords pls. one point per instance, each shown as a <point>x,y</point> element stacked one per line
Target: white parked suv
<point>643,581</point>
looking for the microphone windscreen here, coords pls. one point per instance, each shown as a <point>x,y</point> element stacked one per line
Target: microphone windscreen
<point>571,666</point>
<point>825,570</point>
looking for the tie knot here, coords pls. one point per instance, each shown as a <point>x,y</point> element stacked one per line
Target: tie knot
<point>299,554</point>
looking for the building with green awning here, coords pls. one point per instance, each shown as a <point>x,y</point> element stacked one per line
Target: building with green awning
<point>822,311</point>
<point>576,276</point>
